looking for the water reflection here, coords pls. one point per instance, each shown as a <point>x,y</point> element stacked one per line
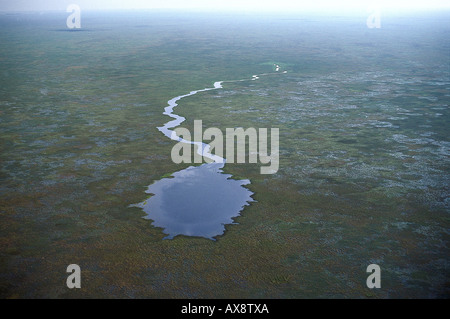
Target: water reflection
<point>197,201</point>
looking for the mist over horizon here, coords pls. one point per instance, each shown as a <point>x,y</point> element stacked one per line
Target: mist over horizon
<point>281,6</point>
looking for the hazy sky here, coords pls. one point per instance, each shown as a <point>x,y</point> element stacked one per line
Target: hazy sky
<point>241,5</point>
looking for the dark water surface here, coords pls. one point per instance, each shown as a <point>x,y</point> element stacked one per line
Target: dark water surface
<point>197,201</point>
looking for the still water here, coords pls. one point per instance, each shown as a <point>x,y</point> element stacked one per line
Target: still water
<point>197,201</point>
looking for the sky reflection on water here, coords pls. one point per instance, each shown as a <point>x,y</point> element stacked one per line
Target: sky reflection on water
<point>197,201</point>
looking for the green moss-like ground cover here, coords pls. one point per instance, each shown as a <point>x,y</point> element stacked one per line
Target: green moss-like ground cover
<point>363,155</point>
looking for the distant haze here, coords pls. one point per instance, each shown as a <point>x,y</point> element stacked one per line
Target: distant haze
<point>223,5</point>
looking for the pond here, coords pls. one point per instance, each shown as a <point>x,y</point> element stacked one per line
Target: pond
<point>197,201</point>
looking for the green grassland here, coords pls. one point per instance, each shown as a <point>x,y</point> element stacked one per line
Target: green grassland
<point>364,143</point>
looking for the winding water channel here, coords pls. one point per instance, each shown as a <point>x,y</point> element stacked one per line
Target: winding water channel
<point>199,200</point>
